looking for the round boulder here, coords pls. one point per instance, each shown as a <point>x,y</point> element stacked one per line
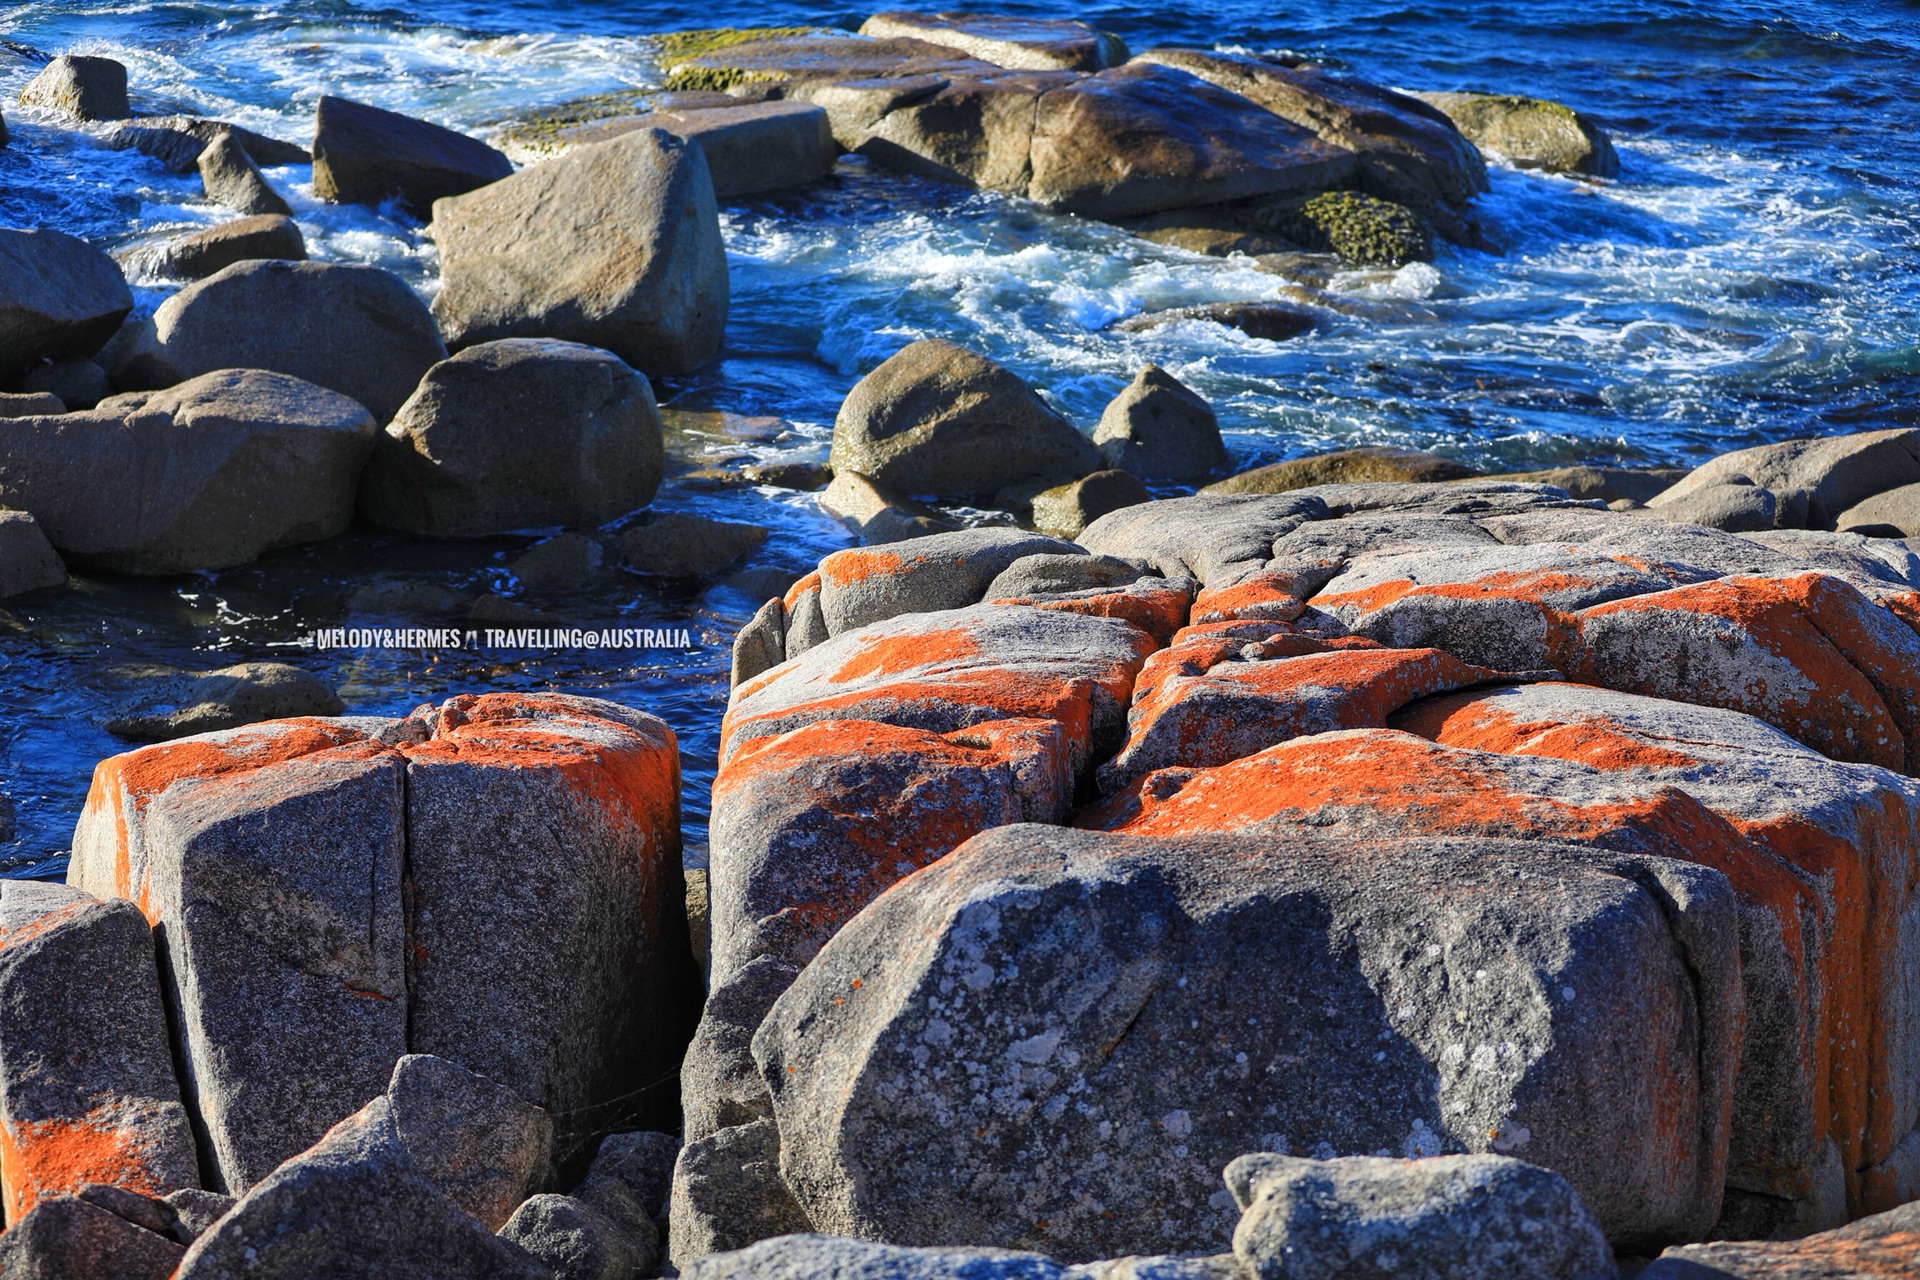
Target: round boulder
<point>1159,430</point>
<point>356,330</point>
<point>85,88</point>
<point>518,434</point>
<point>937,420</point>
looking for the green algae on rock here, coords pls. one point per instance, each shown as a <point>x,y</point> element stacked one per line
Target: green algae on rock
<point>1364,230</point>
<point>679,48</point>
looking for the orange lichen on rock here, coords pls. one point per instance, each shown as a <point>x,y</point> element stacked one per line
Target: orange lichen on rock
<point>1468,720</point>
<point>1271,594</point>
<point>1159,611</point>
<point>857,564</point>
<point>56,1157</point>
<point>811,582</point>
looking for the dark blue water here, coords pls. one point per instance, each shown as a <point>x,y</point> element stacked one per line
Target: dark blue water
<point>1752,276</point>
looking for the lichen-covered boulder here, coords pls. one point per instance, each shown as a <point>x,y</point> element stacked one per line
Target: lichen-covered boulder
<point>938,420</point>
<point>59,297</point>
<point>944,571</point>
<point>204,475</point>
<point>87,1090</point>
<point>356,330</point>
<point>615,245</point>
<point>1874,1247</point>
<point>1531,132</point>
<point>1053,1039</point>
<point>517,434</point>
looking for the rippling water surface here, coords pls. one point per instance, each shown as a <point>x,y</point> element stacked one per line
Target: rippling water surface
<point>1751,276</point>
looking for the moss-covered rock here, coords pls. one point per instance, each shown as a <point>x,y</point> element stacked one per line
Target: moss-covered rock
<point>1531,132</point>
<point>679,49</point>
<point>537,134</point>
<point>1364,230</point>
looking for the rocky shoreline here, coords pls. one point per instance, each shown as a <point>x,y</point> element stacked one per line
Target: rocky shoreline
<point>1355,867</point>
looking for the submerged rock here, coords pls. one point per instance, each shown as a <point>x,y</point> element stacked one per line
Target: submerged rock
<point>938,420</point>
<point>678,545</point>
<point>179,703</point>
<point>615,245</point>
<point>82,87</point>
<point>517,434</point>
<point>363,155</point>
<point>1531,132</point>
<point>59,297</point>
<point>356,330</point>
<point>1268,320</point>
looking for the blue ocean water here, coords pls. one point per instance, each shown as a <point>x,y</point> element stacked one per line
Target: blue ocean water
<point>1751,276</point>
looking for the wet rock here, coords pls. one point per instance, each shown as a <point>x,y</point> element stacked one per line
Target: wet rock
<point>1736,505</point>
<point>77,381</point>
<point>229,448</point>
<point>1142,138</point>
<point>806,477</point>
<point>1345,466</point>
<point>880,515</point>
<point>1051,959</point>
<point>1217,232</point>
<point>1267,320</point>
<point>1403,150</point>
<point>517,434</point>
<point>576,1241</point>
<point>28,561</point>
<point>945,571</point>
<point>1454,1218</point>
<point>501,611</point>
<point>33,404</point>
<point>1816,481</point>
<point>727,1193</point>
<point>87,1096</point>
<point>615,245</point>
<point>751,147</point>
<point>357,1203</point>
<point>177,141</point>
<point>1159,430</point>
<point>1531,132</point>
<point>938,420</point>
<point>480,1144</point>
<point>231,179</point>
<point>1067,509</point>
<point>678,545</point>
<point>204,252</point>
<point>355,330</point>
<point>402,598</point>
<point>1881,1245</point>
<point>1045,574</point>
<point>225,467</point>
<point>84,88</point>
<point>562,563</point>
<point>65,1238</point>
<point>1897,510</point>
<point>178,703</point>
<point>1019,43</point>
<point>1608,484</point>
<point>59,297</point>
<point>363,155</point>
<point>1364,230</point>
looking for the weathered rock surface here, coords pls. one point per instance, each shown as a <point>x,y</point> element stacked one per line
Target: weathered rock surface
<point>615,245</point>
<point>363,155</point>
<point>750,147</point>
<point>1608,484</point>
<point>1065,510</point>
<point>1451,1218</point>
<point>1052,961</point>
<point>1401,149</point>
<point>1878,1246</point>
<point>938,420</point>
<point>197,256</point>
<point>517,434</point>
<point>1531,132</point>
<point>363,1202</point>
<point>355,330</point>
<point>479,1143</point>
<point>205,475</point>
<point>59,297</point>
<point>232,179</point>
<point>175,704</point>
<point>727,1193</point>
<point>78,382</point>
<point>177,141</point>
<point>944,571</point>
<point>1736,505</point>
<point>1815,481</point>
<point>87,1090</point>
<point>1346,466</point>
<point>1025,44</point>
<point>66,1238</point>
<point>679,545</point>
<point>28,561</point>
<point>290,1020</point>
<point>1159,430</point>
<point>82,87</point>
<point>878,514</point>
<point>576,1241</point>
<point>1892,511</point>
<point>30,404</point>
